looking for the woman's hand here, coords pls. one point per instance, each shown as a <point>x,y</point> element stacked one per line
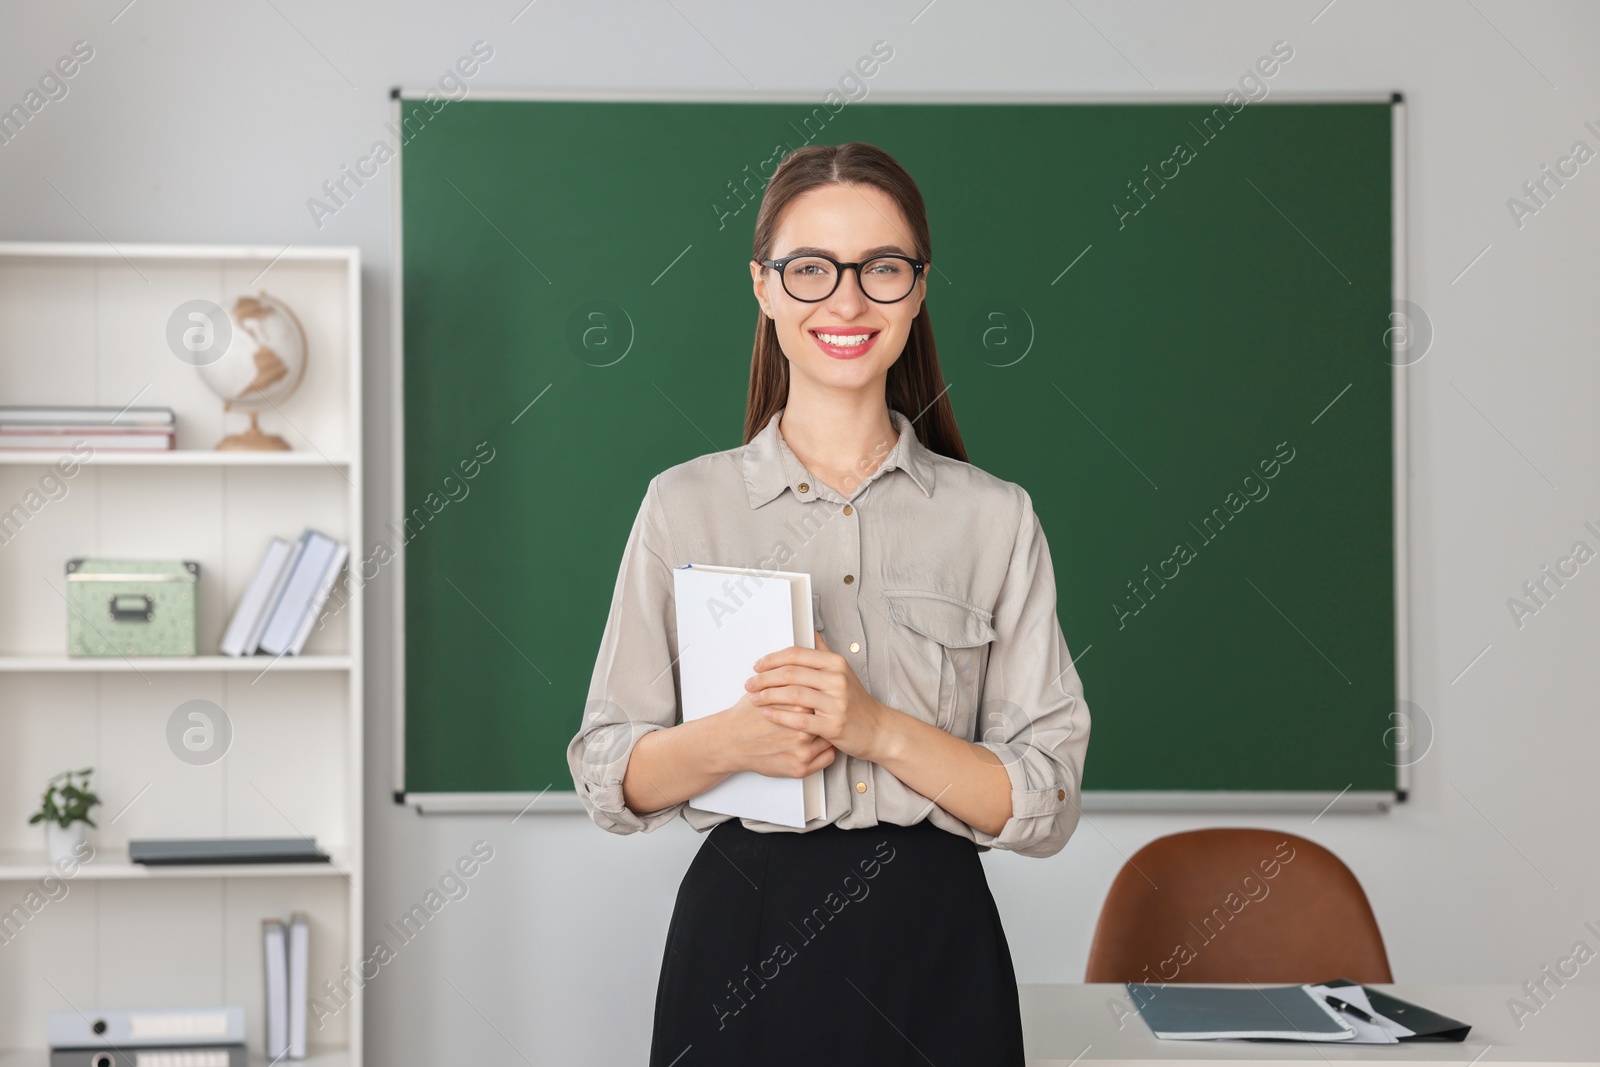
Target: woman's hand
<point>681,762</point>
<point>749,741</point>
<point>816,690</point>
<point>966,779</point>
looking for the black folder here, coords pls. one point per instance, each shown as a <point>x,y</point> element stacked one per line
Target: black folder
<point>199,850</point>
<point>1426,1025</point>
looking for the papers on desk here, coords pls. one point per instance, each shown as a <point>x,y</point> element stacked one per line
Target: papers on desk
<point>1276,1013</point>
<point>1376,1029</point>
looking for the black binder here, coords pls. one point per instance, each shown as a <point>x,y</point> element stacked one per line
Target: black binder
<point>1427,1025</point>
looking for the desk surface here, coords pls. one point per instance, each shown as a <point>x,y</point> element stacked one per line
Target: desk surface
<point>1089,1025</point>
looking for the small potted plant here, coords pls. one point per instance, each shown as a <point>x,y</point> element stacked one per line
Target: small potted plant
<point>64,810</point>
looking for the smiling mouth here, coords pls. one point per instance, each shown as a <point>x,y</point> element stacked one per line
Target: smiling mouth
<point>844,344</point>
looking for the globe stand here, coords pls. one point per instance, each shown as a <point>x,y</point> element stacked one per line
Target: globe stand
<point>253,440</point>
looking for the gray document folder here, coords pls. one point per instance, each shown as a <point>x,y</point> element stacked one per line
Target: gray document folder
<point>1199,1013</point>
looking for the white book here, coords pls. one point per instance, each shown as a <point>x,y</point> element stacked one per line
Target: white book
<point>304,577</point>
<point>728,617</point>
<point>319,598</point>
<point>26,414</point>
<point>252,643</point>
<point>276,955</point>
<point>255,602</point>
<point>64,439</point>
<point>299,946</point>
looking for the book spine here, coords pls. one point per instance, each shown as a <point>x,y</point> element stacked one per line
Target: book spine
<point>253,603</point>
<point>299,949</point>
<point>278,637</point>
<point>319,598</point>
<point>276,961</point>
<point>274,595</point>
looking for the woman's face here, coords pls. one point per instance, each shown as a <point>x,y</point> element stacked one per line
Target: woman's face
<point>851,223</point>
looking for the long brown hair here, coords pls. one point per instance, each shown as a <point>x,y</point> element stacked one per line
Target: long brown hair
<point>915,385</point>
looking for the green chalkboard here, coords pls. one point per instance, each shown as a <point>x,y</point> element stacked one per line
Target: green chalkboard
<point>1136,333</point>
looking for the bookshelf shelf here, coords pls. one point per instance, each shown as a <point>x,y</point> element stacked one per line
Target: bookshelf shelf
<point>314,1058</point>
<point>126,935</point>
<point>168,664</point>
<point>176,457</point>
<point>115,866</point>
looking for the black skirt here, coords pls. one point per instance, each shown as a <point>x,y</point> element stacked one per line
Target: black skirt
<point>880,945</point>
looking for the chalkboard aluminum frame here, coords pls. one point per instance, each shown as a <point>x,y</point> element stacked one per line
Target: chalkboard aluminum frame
<point>551,800</point>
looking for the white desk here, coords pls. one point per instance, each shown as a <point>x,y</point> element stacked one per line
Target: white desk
<point>1067,1024</point>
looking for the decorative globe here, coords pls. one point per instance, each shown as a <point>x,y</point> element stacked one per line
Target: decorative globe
<point>264,362</point>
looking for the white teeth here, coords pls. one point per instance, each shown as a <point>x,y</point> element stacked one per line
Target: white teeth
<point>851,341</point>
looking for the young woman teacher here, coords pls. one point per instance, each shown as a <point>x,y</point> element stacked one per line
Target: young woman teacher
<point>940,698</point>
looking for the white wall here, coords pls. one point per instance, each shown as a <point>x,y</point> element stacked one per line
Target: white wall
<point>215,122</point>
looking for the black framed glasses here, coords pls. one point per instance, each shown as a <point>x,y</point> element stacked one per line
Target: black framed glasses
<point>810,277</point>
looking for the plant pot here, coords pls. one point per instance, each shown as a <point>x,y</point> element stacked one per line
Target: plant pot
<point>62,844</point>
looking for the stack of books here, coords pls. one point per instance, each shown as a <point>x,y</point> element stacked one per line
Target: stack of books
<point>282,602</point>
<point>58,429</point>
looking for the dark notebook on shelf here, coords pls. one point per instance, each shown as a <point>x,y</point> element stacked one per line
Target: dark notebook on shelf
<point>190,850</point>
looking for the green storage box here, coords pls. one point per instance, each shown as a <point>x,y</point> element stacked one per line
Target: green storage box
<point>124,607</point>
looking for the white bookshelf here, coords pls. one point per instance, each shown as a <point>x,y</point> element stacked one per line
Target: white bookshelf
<point>86,324</point>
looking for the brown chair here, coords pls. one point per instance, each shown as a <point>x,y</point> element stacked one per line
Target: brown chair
<point>1235,905</point>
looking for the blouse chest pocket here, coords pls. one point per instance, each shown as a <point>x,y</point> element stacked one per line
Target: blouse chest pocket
<point>939,632</point>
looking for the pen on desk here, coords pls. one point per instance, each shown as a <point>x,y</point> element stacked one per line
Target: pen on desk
<point>1350,1009</point>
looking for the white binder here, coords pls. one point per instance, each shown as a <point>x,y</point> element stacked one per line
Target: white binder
<point>275,953</point>
<point>146,1027</point>
<point>299,951</point>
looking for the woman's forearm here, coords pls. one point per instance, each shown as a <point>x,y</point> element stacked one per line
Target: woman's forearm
<point>965,779</point>
<point>672,765</point>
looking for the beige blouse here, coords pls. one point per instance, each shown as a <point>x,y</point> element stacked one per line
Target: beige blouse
<point>932,577</point>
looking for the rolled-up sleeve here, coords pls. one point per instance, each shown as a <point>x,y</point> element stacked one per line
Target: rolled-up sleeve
<point>1032,713</point>
<point>634,687</point>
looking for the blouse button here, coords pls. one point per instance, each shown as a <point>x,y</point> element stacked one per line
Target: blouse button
<point>849,578</point>
<point>847,509</point>
<point>804,488</point>
<point>855,646</point>
<point>1061,794</point>
<point>861,787</point>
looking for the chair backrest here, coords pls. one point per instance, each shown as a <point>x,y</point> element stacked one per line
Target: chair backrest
<point>1236,905</point>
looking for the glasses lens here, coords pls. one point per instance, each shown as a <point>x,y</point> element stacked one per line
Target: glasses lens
<point>809,278</point>
<point>887,279</point>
